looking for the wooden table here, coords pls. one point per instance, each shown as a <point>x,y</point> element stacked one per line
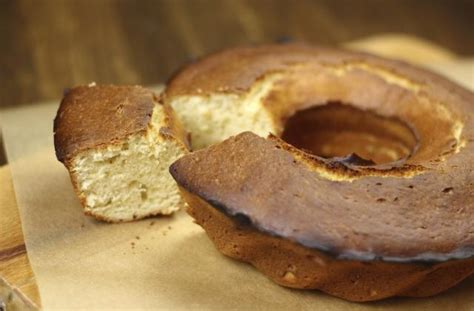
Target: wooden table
<point>49,45</point>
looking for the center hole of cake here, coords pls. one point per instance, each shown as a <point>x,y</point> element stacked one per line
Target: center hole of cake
<point>339,130</point>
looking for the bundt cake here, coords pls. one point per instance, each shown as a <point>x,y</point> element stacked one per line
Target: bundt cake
<point>365,187</point>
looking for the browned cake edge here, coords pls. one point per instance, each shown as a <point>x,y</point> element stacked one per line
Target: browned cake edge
<point>292,265</point>
<point>97,116</point>
<point>236,69</point>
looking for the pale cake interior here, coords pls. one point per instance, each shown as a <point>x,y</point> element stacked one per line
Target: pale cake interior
<point>129,179</point>
<point>211,119</point>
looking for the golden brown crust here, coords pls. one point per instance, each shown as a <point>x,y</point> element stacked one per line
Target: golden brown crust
<point>172,128</point>
<point>90,116</point>
<point>292,265</point>
<point>313,76</point>
<point>236,70</point>
<point>285,192</point>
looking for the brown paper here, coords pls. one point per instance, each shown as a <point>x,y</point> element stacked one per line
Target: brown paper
<point>163,262</point>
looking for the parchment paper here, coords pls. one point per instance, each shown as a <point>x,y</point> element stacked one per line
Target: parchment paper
<point>158,263</point>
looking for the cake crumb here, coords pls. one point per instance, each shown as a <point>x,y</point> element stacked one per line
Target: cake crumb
<point>137,237</point>
<point>289,277</point>
<point>152,223</point>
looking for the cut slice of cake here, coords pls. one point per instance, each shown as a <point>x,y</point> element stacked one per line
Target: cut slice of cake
<point>117,143</point>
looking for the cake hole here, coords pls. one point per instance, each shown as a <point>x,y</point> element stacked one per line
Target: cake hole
<point>112,159</point>
<point>340,130</point>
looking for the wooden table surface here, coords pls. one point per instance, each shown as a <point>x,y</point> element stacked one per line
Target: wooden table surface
<point>47,46</point>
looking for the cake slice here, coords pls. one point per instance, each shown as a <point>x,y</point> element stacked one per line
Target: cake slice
<point>117,143</point>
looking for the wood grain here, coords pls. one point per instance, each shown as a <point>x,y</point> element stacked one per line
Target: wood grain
<point>48,45</point>
<point>14,264</point>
